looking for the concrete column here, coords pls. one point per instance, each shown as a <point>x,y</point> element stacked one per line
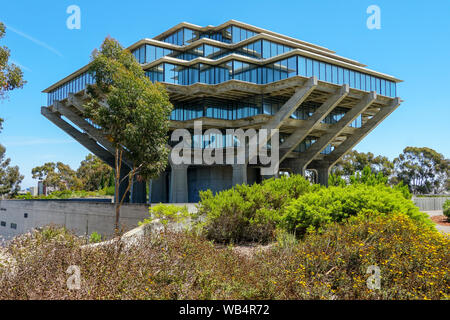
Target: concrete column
<point>139,191</point>
<point>239,174</point>
<point>297,166</point>
<point>267,177</point>
<point>323,175</point>
<point>179,184</point>
<point>158,189</point>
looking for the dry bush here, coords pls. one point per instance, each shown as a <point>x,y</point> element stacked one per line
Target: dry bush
<point>414,264</point>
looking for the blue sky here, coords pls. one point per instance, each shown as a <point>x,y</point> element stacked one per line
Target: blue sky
<point>412,44</point>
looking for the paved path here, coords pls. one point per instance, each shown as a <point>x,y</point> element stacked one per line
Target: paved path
<point>445,229</point>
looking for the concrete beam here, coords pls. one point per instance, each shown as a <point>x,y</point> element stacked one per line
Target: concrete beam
<point>76,101</point>
<point>277,120</point>
<point>179,184</point>
<point>337,128</point>
<point>362,132</point>
<point>291,105</point>
<point>83,124</point>
<point>312,122</point>
<point>81,137</point>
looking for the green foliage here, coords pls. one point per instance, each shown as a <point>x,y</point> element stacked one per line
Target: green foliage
<point>167,214</point>
<point>94,174</point>
<point>365,176</point>
<point>11,77</point>
<point>249,213</point>
<point>335,204</point>
<point>355,162</point>
<point>446,208</point>
<point>10,177</point>
<point>95,237</point>
<point>368,178</point>
<point>57,176</point>
<point>423,170</point>
<point>131,110</point>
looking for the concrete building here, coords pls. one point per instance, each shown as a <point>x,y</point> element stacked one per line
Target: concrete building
<point>239,76</point>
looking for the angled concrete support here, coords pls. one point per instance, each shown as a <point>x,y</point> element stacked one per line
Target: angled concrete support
<point>83,124</point>
<point>328,137</point>
<point>301,133</point>
<point>367,127</point>
<point>90,144</point>
<point>239,174</point>
<point>76,101</point>
<point>179,184</point>
<point>81,137</point>
<point>291,105</point>
<point>285,112</point>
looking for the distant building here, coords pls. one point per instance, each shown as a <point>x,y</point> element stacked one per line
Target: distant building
<point>41,188</point>
<point>33,191</point>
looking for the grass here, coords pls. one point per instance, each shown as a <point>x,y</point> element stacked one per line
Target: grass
<point>414,264</point>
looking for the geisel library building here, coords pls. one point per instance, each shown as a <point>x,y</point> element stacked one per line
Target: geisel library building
<point>239,76</point>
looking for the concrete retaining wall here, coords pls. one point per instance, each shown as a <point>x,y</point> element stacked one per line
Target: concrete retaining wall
<point>430,203</point>
<point>83,218</point>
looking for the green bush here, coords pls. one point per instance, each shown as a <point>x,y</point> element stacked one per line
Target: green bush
<point>167,214</point>
<point>446,208</point>
<point>334,204</point>
<point>95,237</point>
<point>249,213</point>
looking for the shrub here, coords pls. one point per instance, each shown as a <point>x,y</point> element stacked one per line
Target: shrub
<point>413,262</point>
<point>167,214</point>
<point>446,208</point>
<point>335,204</point>
<point>249,213</point>
<point>95,237</point>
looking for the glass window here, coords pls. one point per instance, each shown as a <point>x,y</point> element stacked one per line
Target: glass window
<point>266,49</point>
<point>316,68</point>
<point>301,66</point>
<point>309,68</point>
<point>292,66</point>
<point>322,71</point>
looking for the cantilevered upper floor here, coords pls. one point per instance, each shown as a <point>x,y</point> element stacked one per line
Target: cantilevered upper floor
<point>187,55</point>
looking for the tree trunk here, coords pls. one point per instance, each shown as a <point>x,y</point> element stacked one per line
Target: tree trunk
<point>116,191</point>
